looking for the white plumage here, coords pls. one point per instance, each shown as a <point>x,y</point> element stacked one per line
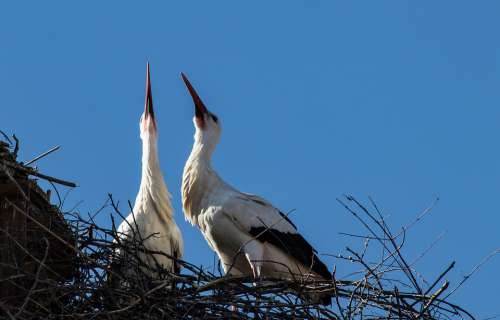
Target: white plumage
<point>250,235</point>
<point>152,219</point>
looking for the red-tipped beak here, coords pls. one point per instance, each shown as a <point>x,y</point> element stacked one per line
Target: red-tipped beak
<point>199,106</point>
<point>148,103</point>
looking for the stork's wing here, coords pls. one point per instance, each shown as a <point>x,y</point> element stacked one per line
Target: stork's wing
<point>262,212</point>
<point>176,264</point>
<point>266,223</point>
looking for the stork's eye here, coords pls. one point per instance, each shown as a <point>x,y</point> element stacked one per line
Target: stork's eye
<point>214,118</point>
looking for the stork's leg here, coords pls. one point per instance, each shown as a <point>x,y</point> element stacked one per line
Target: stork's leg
<point>255,265</point>
<point>254,252</point>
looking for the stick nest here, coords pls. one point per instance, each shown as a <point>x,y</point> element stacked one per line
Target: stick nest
<point>384,287</point>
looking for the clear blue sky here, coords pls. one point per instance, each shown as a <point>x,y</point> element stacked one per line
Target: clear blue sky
<point>399,100</point>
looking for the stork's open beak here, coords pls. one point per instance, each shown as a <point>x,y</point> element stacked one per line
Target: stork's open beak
<point>148,103</point>
<point>199,106</point>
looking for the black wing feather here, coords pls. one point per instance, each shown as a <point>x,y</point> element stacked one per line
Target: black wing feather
<point>295,245</point>
<point>284,216</point>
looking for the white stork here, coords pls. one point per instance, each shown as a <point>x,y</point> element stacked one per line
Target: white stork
<point>249,234</point>
<point>152,219</point>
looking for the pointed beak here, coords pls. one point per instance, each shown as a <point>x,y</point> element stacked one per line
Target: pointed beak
<point>148,104</point>
<point>199,106</point>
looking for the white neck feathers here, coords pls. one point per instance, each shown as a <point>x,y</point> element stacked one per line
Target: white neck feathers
<point>153,193</point>
<point>198,178</point>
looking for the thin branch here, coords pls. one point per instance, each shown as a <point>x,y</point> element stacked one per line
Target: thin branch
<point>46,153</point>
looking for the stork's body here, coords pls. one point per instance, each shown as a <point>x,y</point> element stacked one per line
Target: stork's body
<point>250,235</point>
<point>152,220</point>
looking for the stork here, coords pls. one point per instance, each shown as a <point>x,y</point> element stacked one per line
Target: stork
<point>152,218</point>
<point>249,234</point>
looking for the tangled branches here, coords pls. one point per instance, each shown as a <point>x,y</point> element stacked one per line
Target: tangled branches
<point>99,287</point>
<point>94,292</point>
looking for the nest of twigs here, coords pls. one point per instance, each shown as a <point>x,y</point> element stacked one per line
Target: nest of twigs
<point>98,289</point>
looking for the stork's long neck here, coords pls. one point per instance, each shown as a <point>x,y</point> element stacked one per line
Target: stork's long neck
<point>153,193</point>
<point>198,178</point>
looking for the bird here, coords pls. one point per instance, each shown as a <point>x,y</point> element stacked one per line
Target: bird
<point>152,218</point>
<point>250,235</point>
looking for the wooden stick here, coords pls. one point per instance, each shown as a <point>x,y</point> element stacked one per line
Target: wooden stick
<point>32,172</point>
<point>46,153</point>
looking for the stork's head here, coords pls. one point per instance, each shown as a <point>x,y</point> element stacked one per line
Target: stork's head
<point>207,124</point>
<point>148,121</point>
